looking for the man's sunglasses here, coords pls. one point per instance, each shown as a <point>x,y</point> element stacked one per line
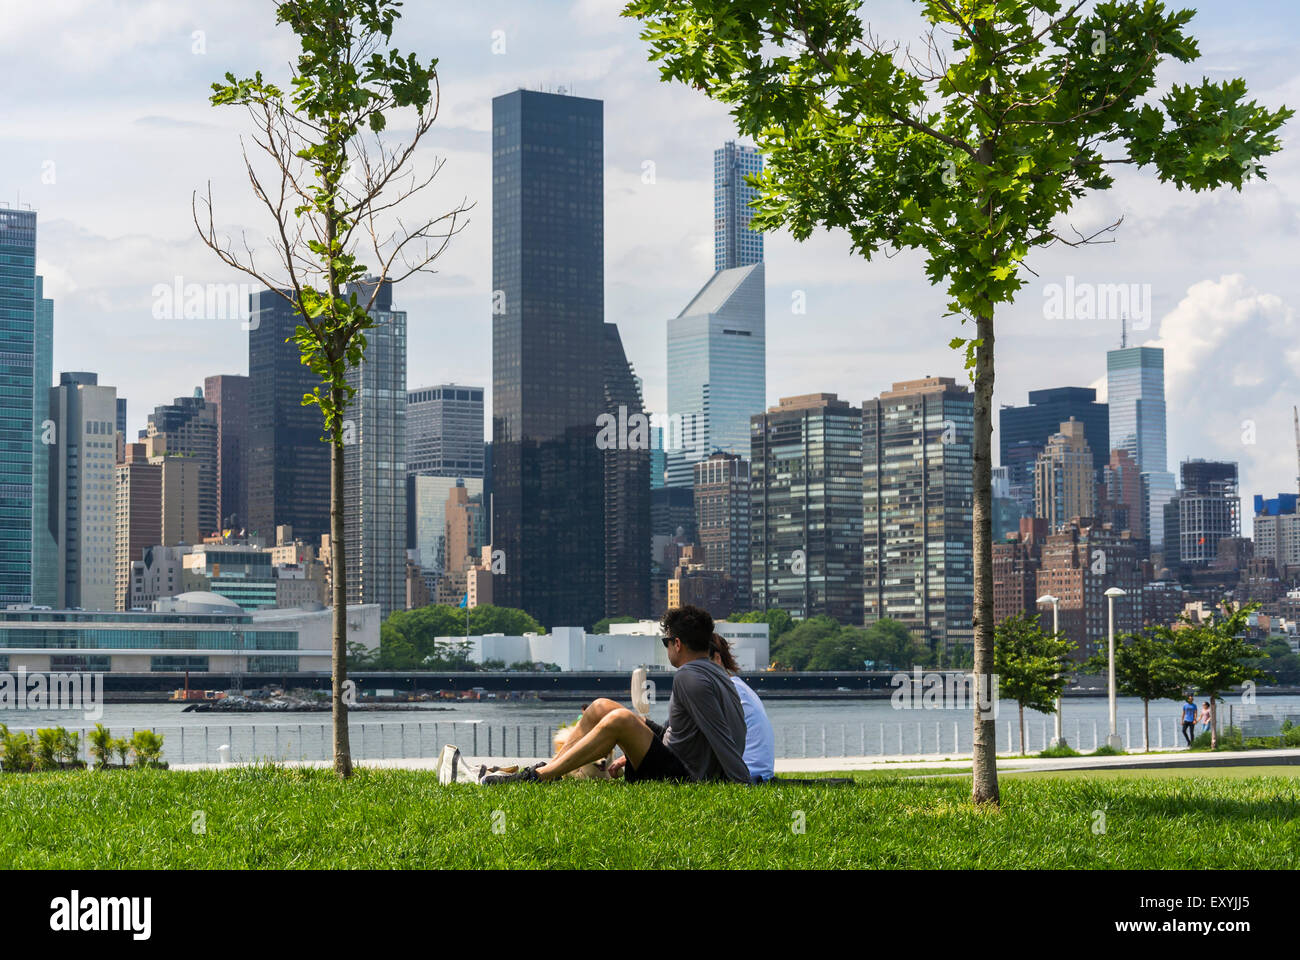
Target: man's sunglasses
<point>666,640</point>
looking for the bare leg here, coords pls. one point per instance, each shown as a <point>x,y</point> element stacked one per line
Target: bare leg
<point>617,728</point>
<point>595,711</point>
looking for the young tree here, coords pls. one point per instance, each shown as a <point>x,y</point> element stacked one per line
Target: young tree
<point>331,185</point>
<point>1214,656</point>
<point>1032,667</point>
<point>971,151</point>
<point>1145,667</point>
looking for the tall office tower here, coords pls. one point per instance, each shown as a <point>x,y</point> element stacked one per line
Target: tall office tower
<point>918,495</point>
<point>1064,484</point>
<point>1135,378</point>
<point>287,461</point>
<point>734,244</point>
<point>182,492</point>
<point>548,265</point>
<point>805,529</point>
<point>1079,564</point>
<point>18,363</point>
<point>229,393</point>
<point>121,415</point>
<point>717,375</point>
<point>465,536</point>
<point>45,448</point>
<point>374,462</point>
<point>1023,432</point>
<point>722,485</point>
<point>81,490</point>
<point>627,487</point>
<point>190,426</point>
<point>137,516</point>
<point>1122,502</point>
<point>1209,510</point>
<point>444,431</point>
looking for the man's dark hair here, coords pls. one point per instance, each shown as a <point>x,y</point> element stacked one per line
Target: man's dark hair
<point>691,625</point>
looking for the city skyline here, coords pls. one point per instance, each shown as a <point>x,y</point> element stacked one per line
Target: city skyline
<point>1217,284</point>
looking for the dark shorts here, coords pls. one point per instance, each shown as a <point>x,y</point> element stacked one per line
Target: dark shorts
<point>659,763</point>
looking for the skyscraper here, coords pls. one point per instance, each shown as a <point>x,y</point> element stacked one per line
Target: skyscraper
<point>1064,486</point>
<point>18,363</point>
<point>374,460</point>
<point>1023,432</point>
<point>444,431</point>
<point>229,393</point>
<point>627,488</point>
<point>717,377</point>
<point>45,548</point>
<point>137,516</point>
<point>190,426</point>
<point>82,490</point>
<point>547,354</point>
<point>288,463</point>
<point>1135,379</point>
<point>722,486</point>
<point>806,508</point>
<point>918,495</point>
<point>734,244</point>
<point>1209,510</point>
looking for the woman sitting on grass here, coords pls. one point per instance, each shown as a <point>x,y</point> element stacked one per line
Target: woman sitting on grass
<point>760,740</point>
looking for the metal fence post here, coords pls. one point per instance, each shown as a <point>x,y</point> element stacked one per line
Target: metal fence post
<point>475,726</point>
<point>882,740</point>
<point>803,750</point>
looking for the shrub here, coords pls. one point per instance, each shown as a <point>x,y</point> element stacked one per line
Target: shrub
<point>1106,750</point>
<point>18,751</point>
<point>101,745</point>
<point>68,749</point>
<point>1060,750</point>
<point>147,748</point>
<point>122,747</point>
<point>48,743</point>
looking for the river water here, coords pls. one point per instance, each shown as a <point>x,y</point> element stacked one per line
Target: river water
<point>804,728</point>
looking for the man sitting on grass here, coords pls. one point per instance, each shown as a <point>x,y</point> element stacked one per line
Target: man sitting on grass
<point>705,736</point>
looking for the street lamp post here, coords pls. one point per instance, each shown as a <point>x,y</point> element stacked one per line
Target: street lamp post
<point>1113,740</point>
<point>1059,739</point>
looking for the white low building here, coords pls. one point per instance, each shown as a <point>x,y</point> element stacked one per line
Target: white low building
<point>626,647</point>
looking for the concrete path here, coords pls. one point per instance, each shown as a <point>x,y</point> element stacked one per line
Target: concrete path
<point>832,765</point>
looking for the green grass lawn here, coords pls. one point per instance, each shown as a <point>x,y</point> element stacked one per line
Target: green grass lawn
<point>285,818</point>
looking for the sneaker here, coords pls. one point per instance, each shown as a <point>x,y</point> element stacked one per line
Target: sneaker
<point>526,775</point>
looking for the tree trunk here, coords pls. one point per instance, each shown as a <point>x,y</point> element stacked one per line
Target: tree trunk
<point>338,573</point>
<point>1146,726</point>
<point>984,778</point>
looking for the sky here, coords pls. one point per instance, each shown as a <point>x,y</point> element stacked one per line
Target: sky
<point>108,131</point>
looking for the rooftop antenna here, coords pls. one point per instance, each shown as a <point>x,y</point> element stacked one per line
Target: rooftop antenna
<point>1123,332</point>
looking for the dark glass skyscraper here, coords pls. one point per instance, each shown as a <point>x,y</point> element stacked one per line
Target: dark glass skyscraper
<point>287,461</point>
<point>17,401</point>
<point>547,338</point>
<point>627,492</point>
<point>1023,432</point>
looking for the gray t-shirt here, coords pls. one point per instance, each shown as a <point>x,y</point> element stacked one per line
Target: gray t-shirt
<point>706,723</point>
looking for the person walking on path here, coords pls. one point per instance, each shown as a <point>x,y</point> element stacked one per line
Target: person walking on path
<point>1189,719</point>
